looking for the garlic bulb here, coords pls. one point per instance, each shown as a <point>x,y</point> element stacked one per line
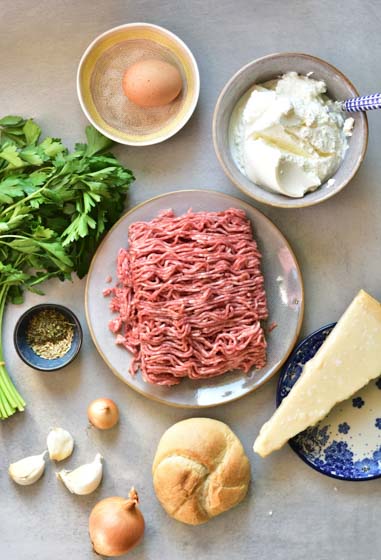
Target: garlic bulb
<point>28,470</point>
<point>84,479</point>
<point>60,444</point>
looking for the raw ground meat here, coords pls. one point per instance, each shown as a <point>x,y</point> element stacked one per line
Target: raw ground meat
<point>190,297</point>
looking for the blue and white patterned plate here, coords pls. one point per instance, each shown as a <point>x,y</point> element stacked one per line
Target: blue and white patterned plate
<point>347,443</point>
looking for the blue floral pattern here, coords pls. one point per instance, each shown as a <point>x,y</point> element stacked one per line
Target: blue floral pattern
<point>343,428</point>
<point>333,457</point>
<point>357,402</point>
<point>302,354</point>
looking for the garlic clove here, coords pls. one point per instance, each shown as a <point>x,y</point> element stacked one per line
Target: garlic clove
<point>84,479</point>
<point>60,444</point>
<point>28,470</point>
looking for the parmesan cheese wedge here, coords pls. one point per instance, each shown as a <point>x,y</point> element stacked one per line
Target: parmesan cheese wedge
<point>347,360</point>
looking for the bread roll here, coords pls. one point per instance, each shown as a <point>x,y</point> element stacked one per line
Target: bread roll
<point>200,470</point>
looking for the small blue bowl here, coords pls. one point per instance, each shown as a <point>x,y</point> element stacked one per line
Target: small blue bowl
<point>29,356</point>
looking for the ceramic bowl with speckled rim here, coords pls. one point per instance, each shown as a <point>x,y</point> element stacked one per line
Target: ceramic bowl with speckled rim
<point>100,91</point>
<point>267,68</point>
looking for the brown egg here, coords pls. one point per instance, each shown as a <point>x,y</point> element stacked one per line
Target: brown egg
<point>151,83</point>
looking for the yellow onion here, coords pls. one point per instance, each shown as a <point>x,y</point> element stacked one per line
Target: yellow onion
<point>116,525</point>
<point>103,413</point>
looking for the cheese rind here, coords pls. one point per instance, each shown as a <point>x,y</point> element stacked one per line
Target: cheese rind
<point>347,360</point>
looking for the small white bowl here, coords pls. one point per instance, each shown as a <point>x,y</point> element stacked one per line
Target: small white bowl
<point>99,84</point>
<point>267,68</point>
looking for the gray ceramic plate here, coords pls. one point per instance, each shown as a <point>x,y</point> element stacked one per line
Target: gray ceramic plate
<point>283,284</point>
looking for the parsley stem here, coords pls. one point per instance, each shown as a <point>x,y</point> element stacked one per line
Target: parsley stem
<point>10,399</point>
<point>27,198</point>
<point>3,413</point>
<point>23,200</point>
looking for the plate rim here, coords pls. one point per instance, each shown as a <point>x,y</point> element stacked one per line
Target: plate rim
<point>162,400</point>
<point>278,401</point>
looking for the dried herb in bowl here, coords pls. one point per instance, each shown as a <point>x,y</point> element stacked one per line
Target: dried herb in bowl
<point>55,207</point>
<point>49,334</point>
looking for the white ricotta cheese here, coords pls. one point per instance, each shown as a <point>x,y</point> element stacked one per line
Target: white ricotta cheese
<point>289,136</point>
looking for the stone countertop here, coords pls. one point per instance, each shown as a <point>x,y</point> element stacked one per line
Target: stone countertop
<point>291,512</point>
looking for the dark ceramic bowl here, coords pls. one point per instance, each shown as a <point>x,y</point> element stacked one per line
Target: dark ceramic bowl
<point>29,356</point>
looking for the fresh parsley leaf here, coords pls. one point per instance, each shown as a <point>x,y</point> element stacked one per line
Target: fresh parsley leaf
<point>10,154</point>
<point>32,131</point>
<point>11,121</point>
<point>96,142</point>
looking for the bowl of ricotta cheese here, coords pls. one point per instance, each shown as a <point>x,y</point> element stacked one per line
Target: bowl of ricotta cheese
<point>280,134</point>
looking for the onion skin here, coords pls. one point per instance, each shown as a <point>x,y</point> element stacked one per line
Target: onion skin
<point>103,414</point>
<point>116,525</point>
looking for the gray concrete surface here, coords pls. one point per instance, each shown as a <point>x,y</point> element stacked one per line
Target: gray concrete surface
<point>337,244</point>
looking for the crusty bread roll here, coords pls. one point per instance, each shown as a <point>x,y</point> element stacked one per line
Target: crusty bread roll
<point>200,470</point>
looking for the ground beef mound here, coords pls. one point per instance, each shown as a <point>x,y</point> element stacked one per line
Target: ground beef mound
<point>190,297</point>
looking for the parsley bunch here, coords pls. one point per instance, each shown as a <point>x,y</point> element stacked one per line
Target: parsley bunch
<point>55,206</point>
